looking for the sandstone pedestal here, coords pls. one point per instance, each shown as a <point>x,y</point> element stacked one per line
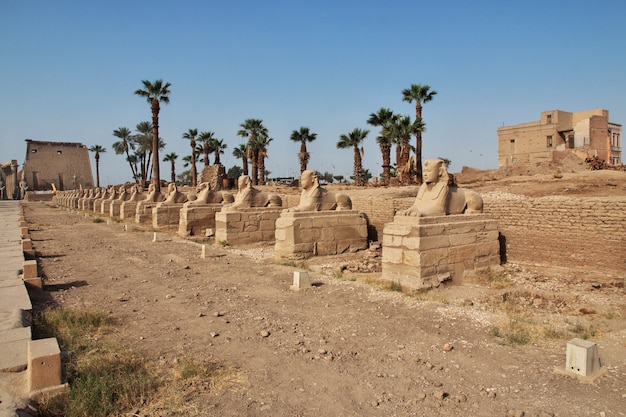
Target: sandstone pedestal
<point>105,207</point>
<point>115,208</point>
<point>128,209</point>
<point>143,213</point>
<point>422,252</point>
<point>246,226</point>
<point>300,235</point>
<point>195,219</point>
<point>166,215</point>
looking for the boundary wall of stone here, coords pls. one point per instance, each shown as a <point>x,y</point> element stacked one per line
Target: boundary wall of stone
<point>559,230</point>
<point>587,232</point>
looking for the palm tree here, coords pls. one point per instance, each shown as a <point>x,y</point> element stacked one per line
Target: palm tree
<point>124,146</point>
<point>251,129</point>
<point>155,93</point>
<point>206,138</point>
<point>384,118</point>
<point>143,140</point>
<point>400,131</point>
<point>354,139</point>
<point>171,157</point>
<point>241,152</point>
<point>261,144</point>
<point>218,147</point>
<point>303,136</point>
<point>421,94</point>
<point>191,135</point>
<point>97,149</point>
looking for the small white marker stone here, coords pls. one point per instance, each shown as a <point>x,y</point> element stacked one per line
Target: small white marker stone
<point>300,280</point>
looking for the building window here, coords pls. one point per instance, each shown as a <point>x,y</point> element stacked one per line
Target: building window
<point>59,152</point>
<point>512,140</point>
<point>549,141</point>
<point>549,118</point>
<point>33,151</point>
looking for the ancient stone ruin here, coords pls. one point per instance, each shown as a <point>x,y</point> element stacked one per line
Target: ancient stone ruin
<point>442,236</point>
<point>198,215</point>
<point>250,218</point>
<point>323,223</point>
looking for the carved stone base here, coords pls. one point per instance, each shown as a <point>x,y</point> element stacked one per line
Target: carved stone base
<point>166,215</point>
<point>422,252</point>
<point>105,207</point>
<point>97,205</point>
<point>300,235</point>
<point>143,214</point>
<point>128,209</point>
<point>195,219</point>
<point>115,207</point>
<point>246,226</point>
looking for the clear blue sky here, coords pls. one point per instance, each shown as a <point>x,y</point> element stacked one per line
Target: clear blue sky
<point>69,70</point>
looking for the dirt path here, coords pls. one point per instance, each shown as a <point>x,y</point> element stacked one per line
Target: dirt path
<point>344,347</point>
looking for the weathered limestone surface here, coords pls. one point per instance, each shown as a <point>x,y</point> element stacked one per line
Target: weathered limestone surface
<point>257,224</point>
<point>128,209</point>
<point>422,252</point>
<point>195,219</point>
<point>166,215</point>
<point>300,235</point>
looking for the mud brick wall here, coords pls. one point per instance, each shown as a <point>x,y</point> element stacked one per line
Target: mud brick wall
<point>570,231</point>
<point>557,230</point>
<point>378,212</point>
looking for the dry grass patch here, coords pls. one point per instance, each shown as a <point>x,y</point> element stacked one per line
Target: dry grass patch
<point>106,379</point>
<point>495,278</point>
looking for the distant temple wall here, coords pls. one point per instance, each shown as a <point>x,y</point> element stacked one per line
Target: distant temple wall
<point>64,164</point>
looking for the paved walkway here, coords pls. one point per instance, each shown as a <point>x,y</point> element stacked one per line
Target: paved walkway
<point>15,308</point>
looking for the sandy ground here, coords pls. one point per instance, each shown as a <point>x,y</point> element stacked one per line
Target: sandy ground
<point>347,346</point>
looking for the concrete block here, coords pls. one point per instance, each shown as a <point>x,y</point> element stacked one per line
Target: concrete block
<point>161,237</point>
<point>27,244</point>
<point>300,280</point>
<point>44,364</point>
<point>581,357</point>
<point>29,269</point>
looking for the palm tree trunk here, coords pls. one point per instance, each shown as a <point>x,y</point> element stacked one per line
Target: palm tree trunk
<point>193,164</point>
<point>98,170</point>
<point>254,160</point>
<point>244,163</point>
<point>304,157</point>
<point>386,155</point>
<point>173,171</point>
<point>358,167</point>
<point>261,168</point>
<point>205,149</point>
<point>418,145</point>
<point>155,145</point>
<point>405,177</point>
<point>132,169</point>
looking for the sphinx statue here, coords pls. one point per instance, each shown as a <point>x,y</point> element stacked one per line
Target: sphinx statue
<point>247,197</point>
<point>438,196</point>
<point>316,198</point>
<point>173,195</point>
<point>207,196</point>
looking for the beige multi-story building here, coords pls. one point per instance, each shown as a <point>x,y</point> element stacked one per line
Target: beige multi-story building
<point>559,133</point>
<point>64,164</point>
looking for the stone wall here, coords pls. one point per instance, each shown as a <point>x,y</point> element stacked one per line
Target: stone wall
<point>246,226</point>
<point>64,164</point>
<point>214,175</point>
<point>558,230</point>
<point>569,231</point>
